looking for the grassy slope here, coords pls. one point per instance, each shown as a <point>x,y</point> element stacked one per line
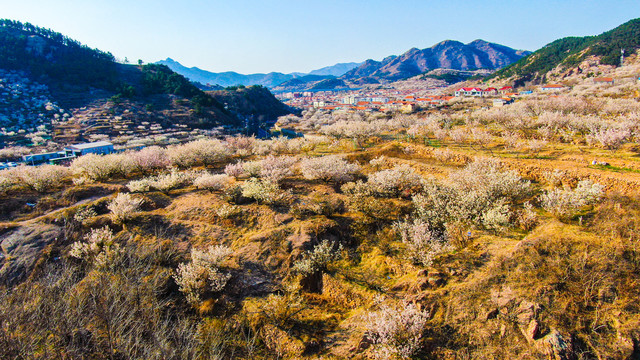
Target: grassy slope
<point>568,271</point>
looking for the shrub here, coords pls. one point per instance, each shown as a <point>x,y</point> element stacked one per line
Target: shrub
<point>423,242</point>
<point>236,170</point>
<point>401,180</point>
<point>123,206</point>
<point>252,168</point>
<point>317,259</point>
<point>496,217</point>
<point>172,180</point>
<point>396,331</point>
<point>227,211</point>
<point>328,168</point>
<point>554,178</point>
<point>527,217</point>
<point>203,274</point>
<point>84,213</point>
<point>564,203</point>
<point>142,185</point>
<point>379,162</point>
<point>6,181</point>
<point>164,182</point>
<point>262,190</point>
<point>357,188</point>
<point>212,182</point>
<point>478,194</point>
<point>98,248</point>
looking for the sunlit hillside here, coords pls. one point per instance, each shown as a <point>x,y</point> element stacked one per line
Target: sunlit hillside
<point>464,232</point>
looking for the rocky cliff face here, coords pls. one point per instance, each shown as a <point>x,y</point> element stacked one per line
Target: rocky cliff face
<point>448,54</point>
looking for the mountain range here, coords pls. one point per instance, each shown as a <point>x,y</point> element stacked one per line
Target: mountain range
<point>449,54</point>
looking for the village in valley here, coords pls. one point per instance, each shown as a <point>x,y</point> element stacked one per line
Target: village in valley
<point>391,99</point>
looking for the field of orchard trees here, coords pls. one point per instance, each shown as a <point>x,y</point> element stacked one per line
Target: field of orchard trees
<point>463,233</point>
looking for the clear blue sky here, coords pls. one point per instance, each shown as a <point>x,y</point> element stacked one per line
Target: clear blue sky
<point>250,36</point>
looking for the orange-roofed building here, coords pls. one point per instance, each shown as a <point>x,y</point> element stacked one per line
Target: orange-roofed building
<point>552,87</point>
<point>603,80</point>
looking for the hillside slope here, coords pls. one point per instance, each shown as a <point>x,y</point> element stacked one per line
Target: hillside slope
<point>570,51</point>
<point>54,90</point>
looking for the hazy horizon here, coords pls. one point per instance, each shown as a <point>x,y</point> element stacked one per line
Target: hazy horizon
<point>249,36</point>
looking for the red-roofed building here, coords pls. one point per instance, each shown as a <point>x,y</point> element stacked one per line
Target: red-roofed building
<point>505,89</point>
<point>489,91</point>
<point>603,80</point>
<point>553,87</point>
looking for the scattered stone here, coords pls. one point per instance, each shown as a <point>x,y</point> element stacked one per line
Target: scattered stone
<point>555,346</point>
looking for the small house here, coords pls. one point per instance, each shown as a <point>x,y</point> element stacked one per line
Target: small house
<point>42,158</point>
<point>98,147</point>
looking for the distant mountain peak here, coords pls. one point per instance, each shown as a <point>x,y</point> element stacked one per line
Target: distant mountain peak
<point>448,43</point>
<point>479,41</point>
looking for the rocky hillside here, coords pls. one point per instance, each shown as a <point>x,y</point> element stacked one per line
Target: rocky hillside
<point>448,54</point>
<point>569,52</point>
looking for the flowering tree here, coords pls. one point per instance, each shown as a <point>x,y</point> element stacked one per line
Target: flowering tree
<point>423,242</point>
<point>199,152</point>
<point>123,206</point>
<point>276,168</point>
<point>203,273</point>
<point>262,190</point>
<point>396,331</point>
<point>564,203</point>
<point>39,178</point>
<point>328,168</point>
<point>99,248</point>
<point>212,182</point>
<point>401,180</point>
<point>151,158</point>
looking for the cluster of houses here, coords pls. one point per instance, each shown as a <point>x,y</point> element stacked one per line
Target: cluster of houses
<point>407,104</point>
<point>488,92</point>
